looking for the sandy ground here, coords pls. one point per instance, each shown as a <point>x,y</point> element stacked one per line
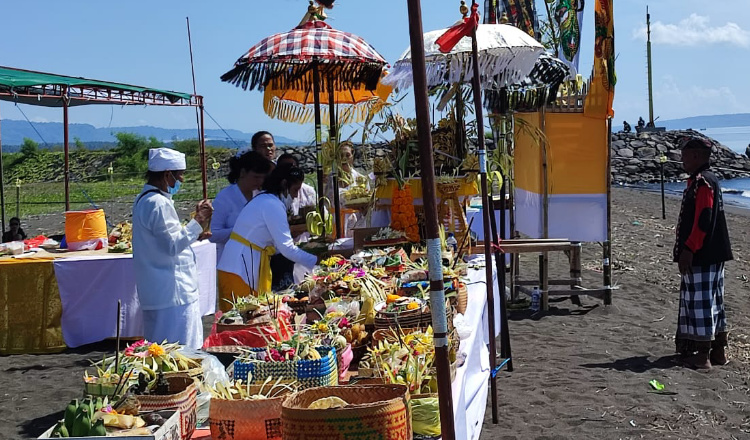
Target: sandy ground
<point>580,372</point>
<point>584,372</point>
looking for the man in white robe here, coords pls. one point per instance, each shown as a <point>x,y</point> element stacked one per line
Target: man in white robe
<point>166,274</point>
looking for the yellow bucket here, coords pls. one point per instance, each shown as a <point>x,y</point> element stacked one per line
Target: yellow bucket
<point>85,229</point>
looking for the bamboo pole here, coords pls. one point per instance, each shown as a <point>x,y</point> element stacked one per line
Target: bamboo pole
<point>434,248</point>
<point>333,137</point>
<point>318,138</point>
<point>488,214</point>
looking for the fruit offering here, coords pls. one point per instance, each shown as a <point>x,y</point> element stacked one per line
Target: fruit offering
<point>403,217</point>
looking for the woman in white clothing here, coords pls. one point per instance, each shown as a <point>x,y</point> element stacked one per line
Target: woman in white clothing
<point>246,175</point>
<point>261,229</point>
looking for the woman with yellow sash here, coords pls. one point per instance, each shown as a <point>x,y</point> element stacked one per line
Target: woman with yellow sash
<point>262,229</point>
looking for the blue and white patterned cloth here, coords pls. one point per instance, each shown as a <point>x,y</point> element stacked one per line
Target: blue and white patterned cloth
<point>701,313</point>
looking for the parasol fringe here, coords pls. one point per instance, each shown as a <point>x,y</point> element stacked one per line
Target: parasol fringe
<point>294,112</point>
<point>500,67</point>
<point>256,75</point>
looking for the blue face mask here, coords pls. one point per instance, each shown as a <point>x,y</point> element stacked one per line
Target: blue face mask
<point>172,190</point>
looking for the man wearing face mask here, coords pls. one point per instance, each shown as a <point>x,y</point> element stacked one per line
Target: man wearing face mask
<point>165,270</point>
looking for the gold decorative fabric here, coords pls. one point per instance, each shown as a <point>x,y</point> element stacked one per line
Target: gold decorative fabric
<point>30,307</point>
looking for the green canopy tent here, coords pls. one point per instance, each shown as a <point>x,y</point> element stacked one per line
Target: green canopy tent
<point>50,90</point>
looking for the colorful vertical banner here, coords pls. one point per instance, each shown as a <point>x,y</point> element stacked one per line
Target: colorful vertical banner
<point>522,14</point>
<point>602,94</point>
<point>569,19</point>
<point>490,15</point>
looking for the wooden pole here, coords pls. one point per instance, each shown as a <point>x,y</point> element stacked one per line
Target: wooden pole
<point>333,137</point>
<point>117,349</point>
<point>607,248</point>
<point>500,267</point>
<point>198,116</point>
<point>661,179</point>
<point>66,148</point>
<point>434,247</point>
<point>488,214</point>
<point>545,211</point>
<point>202,140</point>
<point>318,138</point>
<point>2,189</point>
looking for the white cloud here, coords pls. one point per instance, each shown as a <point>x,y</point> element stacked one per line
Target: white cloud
<point>672,100</point>
<point>39,119</point>
<point>694,31</point>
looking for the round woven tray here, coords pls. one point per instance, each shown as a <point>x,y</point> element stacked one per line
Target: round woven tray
<point>373,412</point>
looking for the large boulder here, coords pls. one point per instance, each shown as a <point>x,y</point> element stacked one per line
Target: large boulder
<point>625,152</point>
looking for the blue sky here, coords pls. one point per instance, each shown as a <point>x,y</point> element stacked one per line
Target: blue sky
<point>700,52</point>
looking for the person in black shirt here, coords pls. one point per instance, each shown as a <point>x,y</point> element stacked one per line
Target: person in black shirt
<point>701,248</point>
<point>15,233</point>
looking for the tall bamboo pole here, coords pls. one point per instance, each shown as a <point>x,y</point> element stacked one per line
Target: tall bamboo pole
<point>488,212</point>
<point>434,248</point>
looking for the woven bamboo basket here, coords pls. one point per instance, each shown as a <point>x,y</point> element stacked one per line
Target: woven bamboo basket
<point>246,419</point>
<point>374,412</point>
<point>309,373</point>
<point>463,298</point>
<point>183,399</point>
<point>418,318</point>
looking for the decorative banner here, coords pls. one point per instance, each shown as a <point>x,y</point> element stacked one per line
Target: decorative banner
<point>576,177</point>
<point>602,93</point>
<point>522,14</point>
<point>569,18</point>
<point>491,12</point>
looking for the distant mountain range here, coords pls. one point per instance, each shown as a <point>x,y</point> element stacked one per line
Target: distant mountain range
<point>699,122</point>
<point>12,133</point>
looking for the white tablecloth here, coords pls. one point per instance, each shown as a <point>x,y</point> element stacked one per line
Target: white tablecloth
<point>90,287</point>
<point>478,225</point>
<point>471,385</point>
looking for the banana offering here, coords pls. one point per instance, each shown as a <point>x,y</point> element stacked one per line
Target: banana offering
<point>317,226</point>
<point>88,418</point>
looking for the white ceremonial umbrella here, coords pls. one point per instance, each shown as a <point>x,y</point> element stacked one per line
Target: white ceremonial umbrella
<point>506,56</point>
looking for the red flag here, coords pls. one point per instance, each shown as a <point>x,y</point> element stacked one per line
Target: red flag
<point>453,35</point>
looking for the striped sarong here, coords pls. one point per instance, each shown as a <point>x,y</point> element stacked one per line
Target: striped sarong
<point>701,313</point>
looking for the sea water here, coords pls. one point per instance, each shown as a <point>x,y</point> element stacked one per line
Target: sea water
<point>736,138</point>
<point>736,191</point>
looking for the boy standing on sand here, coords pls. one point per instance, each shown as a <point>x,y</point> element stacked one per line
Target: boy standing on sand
<point>701,249</point>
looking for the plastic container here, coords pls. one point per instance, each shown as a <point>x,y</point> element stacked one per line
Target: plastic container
<point>85,230</point>
<point>451,242</point>
<point>536,298</point>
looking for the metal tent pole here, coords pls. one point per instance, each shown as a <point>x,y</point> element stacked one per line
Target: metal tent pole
<point>318,136</point>
<point>66,147</point>
<point>334,168</point>
<point>487,211</point>
<point>434,247</point>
